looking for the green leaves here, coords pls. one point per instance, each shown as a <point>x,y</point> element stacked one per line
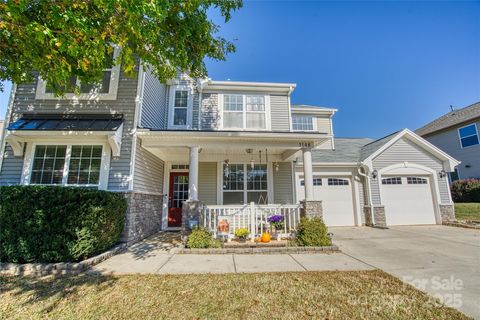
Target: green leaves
<point>62,38</point>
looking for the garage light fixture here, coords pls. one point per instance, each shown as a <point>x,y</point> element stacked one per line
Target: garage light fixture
<point>374,174</point>
<point>442,174</point>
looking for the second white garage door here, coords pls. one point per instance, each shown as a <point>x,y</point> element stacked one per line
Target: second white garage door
<point>408,200</point>
<point>336,196</point>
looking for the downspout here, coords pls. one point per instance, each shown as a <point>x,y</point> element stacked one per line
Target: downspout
<point>369,194</point>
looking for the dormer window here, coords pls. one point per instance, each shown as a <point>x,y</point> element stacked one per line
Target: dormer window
<point>303,123</point>
<point>245,112</point>
<point>105,89</point>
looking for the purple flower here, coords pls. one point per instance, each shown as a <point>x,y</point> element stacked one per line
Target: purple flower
<point>275,218</point>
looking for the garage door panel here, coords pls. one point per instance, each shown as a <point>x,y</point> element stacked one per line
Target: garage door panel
<point>337,200</point>
<point>408,200</point>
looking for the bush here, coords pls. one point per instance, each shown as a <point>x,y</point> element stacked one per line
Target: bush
<point>58,224</point>
<point>242,233</point>
<point>312,232</point>
<point>467,190</point>
<point>201,239</point>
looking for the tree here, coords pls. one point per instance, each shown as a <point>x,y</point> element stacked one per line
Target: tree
<point>58,39</point>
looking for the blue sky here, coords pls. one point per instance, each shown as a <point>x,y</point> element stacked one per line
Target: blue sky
<point>384,65</point>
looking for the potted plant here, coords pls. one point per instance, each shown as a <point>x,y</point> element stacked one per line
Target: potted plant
<point>277,222</point>
<point>242,234</point>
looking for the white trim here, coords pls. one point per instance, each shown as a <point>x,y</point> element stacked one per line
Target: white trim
<point>267,111</point>
<point>104,164</point>
<point>219,182</point>
<point>449,162</point>
<point>171,105</point>
<point>112,90</point>
<point>313,111</point>
<point>166,187</point>
<point>476,134</point>
<point>210,85</point>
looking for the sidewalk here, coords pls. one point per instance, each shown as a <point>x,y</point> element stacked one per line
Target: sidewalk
<point>153,256</point>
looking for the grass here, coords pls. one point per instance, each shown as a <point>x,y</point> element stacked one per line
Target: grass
<point>307,295</point>
<point>467,211</point>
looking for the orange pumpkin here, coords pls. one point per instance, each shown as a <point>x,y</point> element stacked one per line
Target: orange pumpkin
<point>265,237</point>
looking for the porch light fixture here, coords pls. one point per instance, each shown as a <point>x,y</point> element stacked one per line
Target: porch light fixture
<point>252,162</point>
<point>276,166</point>
<point>374,174</point>
<point>226,170</point>
<point>442,174</point>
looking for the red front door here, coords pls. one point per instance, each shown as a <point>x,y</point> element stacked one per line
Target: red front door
<point>177,194</point>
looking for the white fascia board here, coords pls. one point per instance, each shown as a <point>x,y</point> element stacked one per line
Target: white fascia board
<point>329,111</point>
<point>211,85</point>
<point>449,161</point>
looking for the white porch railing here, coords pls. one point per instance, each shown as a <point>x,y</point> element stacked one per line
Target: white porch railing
<point>251,216</point>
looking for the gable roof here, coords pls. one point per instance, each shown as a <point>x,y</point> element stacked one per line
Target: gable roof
<point>449,161</point>
<point>451,119</point>
<point>373,146</point>
<point>347,150</point>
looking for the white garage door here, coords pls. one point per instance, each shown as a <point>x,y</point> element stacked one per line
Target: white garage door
<point>336,196</point>
<point>408,200</point>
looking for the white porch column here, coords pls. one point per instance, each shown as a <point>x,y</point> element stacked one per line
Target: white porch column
<point>307,173</point>
<point>193,174</point>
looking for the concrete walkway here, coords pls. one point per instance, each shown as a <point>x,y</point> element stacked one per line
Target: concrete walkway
<point>153,256</point>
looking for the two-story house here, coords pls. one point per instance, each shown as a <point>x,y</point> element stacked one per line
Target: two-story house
<point>223,144</point>
<point>457,134</point>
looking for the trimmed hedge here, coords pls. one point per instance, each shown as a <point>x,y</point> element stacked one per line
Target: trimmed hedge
<point>467,190</point>
<point>200,238</point>
<point>312,232</point>
<point>58,224</point>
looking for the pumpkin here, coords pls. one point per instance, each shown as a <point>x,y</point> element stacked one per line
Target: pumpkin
<point>265,237</point>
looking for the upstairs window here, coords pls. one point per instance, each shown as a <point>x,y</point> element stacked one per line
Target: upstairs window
<point>303,123</point>
<point>180,107</point>
<point>245,112</point>
<point>105,89</point>
<point>468,136</point>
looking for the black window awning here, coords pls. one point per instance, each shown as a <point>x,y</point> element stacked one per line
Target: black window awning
<point>68,122</point>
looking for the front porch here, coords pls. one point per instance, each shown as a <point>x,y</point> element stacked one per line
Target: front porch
<point>231,180</point>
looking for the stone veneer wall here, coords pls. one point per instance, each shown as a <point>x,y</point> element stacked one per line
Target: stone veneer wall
<point>447,212</point>
<point>379,215</point>
<point>144,216</point>
<point>313,209</point>
<point>367,213</point>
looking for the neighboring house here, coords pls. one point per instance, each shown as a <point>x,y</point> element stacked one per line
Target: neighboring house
<point>457,133</point>
<point>2,123</point>
<point>220,145</point>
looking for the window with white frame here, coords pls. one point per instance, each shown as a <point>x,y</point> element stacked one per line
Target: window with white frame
<point>393,180</point>
<point>468,135</point>
<point>317,181</point>
<point>180,108</point>
<point>105,89</point>
<point>67,165</point>
<point>243,183</point>
<point>416,180</point>
<point>303,123</point>
<point>244,112</point>
<point>337,182</point>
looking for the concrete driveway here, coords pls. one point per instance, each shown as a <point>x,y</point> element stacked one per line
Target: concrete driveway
<point>443,261</point>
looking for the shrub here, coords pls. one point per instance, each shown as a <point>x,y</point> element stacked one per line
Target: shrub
<point>242,233</point>
<point>201,239</point>
<point>467,190</point>
<point>312,232</point>
<point>58,224</point>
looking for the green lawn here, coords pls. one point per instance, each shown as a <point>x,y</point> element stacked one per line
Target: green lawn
<point>307,295</point>
<point>467,211</point>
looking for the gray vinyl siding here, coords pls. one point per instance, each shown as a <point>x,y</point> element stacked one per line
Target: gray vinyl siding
<point>449,141</point>
<point>11,168</point>
<point>323,125</point>
<point>210,115</point>
<point>283,184</point>
<point>148,172</point>
<point>280,115</point>
<point>361,196</point>
<point>154,102</point>
<point>119,174</point>
<point>207,182</point>
<point>405,151</point>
